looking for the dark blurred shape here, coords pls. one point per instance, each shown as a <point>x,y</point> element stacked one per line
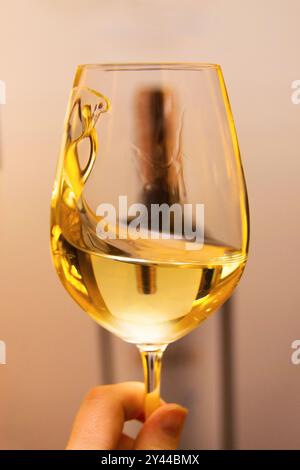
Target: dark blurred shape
<point>159,156</point>
<point>158,146</point>
<point>227,370</point>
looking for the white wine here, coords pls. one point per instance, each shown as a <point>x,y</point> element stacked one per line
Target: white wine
<point>145,291</point>
<point>146,302</point>
<point>149,212</point>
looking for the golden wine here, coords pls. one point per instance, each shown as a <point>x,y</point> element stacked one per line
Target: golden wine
<point>146,302</point>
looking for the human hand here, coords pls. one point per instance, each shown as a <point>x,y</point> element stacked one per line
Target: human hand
<point>101,417</point>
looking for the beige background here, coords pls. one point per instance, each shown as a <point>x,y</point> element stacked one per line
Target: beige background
<point>53,349</point>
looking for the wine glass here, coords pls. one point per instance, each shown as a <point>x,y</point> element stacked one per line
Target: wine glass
<point>149,215</point>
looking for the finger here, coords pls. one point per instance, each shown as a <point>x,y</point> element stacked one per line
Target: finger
<point>163,428</point>
<point>142,417</point>
<point>99,422</point>
<point>125,443</point>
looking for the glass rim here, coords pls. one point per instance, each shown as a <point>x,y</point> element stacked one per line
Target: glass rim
<point>136,66</point>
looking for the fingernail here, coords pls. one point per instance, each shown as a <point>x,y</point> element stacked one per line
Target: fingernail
<point>172,421</point>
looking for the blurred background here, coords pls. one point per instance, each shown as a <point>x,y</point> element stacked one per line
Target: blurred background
<point>235,371</point>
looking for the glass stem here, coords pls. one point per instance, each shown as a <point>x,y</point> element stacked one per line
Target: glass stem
<point>151,359</point>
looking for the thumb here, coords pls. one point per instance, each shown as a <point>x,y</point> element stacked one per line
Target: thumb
<point>162,429</point>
